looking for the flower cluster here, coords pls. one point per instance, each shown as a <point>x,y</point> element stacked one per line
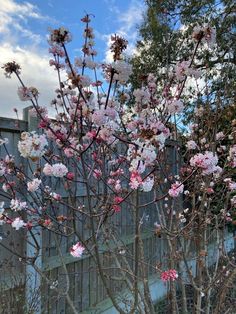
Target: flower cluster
<point>169,275</point>
<point>104,116</point>
<point>141,156</point>
<point>32,145</point>
<point>207,162</point>
<point>18,223</point>
<point>116,205</point>
<point>183,69</point>
<point>60,36</point>
<point>191,145</point>
<point>17,205</point>
<point>27,93</point>
<point>147,184</point>
<point>77,250</point>
<point>86,62</point>
<point>11,67</point>
<point>205,33</point>
<point>176,189</point>
<point>118,45</point>
<point>135,180</point>
<point>232,156</point>
<point>175,106</point>
<point>57,170</point>
<point>123,70</point>
<point>33,185</point>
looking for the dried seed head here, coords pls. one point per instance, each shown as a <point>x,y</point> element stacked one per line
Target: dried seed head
<point>118,45</point>
<point>11,67</point>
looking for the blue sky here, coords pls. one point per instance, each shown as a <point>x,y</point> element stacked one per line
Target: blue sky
<point>24,27</point>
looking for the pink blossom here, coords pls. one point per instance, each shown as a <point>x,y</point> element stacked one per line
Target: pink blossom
<point>122,71</point>
<point>91,134</point>
<point>57,65</point>
<point>233,201</point>
<point>176,189</point>
<point>210,36</point>
<point>106,135</point>
<point>111,181</point>
<point>205,33</point>
<point>175,106</point>
<point>117,186</point>
<point>147,184</point>
<point>70,176</point>
<point>6,187</point>
<point>29,225</point>
<point>191,145</point>
<point>141,95</point>
<point>111,113</point>
<point>85,80</point>
<point>59,36</point>
<point>4,141</point>
<point>116,208</point>
<point>210,190</point>
<point>32,145</point>
<point>118,172</point>
<point>207,162</point>
<point>181,69</point>
<point>97,173</point>
<point>33,185</point>
<point>69,152</point>
<point>77,250</point>
<point>17,205</point>
<point>47,170</point>
<point>57,50</point>
<point>43,124</point>
<point>42,110</point>
<point>25,93</point>
<point>220,136</point>
<point>132,125</point>
<point>232,156</point>
<point>99,117</point>
<point>55,196</point>
<point>118,199</point>
<point>135,180</point>
<point>47,223</point>
<point>57,170</point>
<point>17,223</point>
<point>228,218</point>
<point>231,184</point>
<point>170,274</point>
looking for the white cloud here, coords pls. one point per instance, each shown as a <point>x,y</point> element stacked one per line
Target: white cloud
<point>24,9</point>
<point>12,13</point>
<point>35,38</point>
<point>131,18</point>
<point>112,7</point>
<point>34,61</point>
<point>128,20</point>
<point>35,72</point>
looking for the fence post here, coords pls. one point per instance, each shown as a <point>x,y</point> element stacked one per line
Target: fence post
<point>33,278</point>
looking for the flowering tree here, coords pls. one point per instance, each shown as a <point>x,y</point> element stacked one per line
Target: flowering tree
<point>125,154</point>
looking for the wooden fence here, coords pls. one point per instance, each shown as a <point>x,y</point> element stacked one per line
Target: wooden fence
<point>12,271</point>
